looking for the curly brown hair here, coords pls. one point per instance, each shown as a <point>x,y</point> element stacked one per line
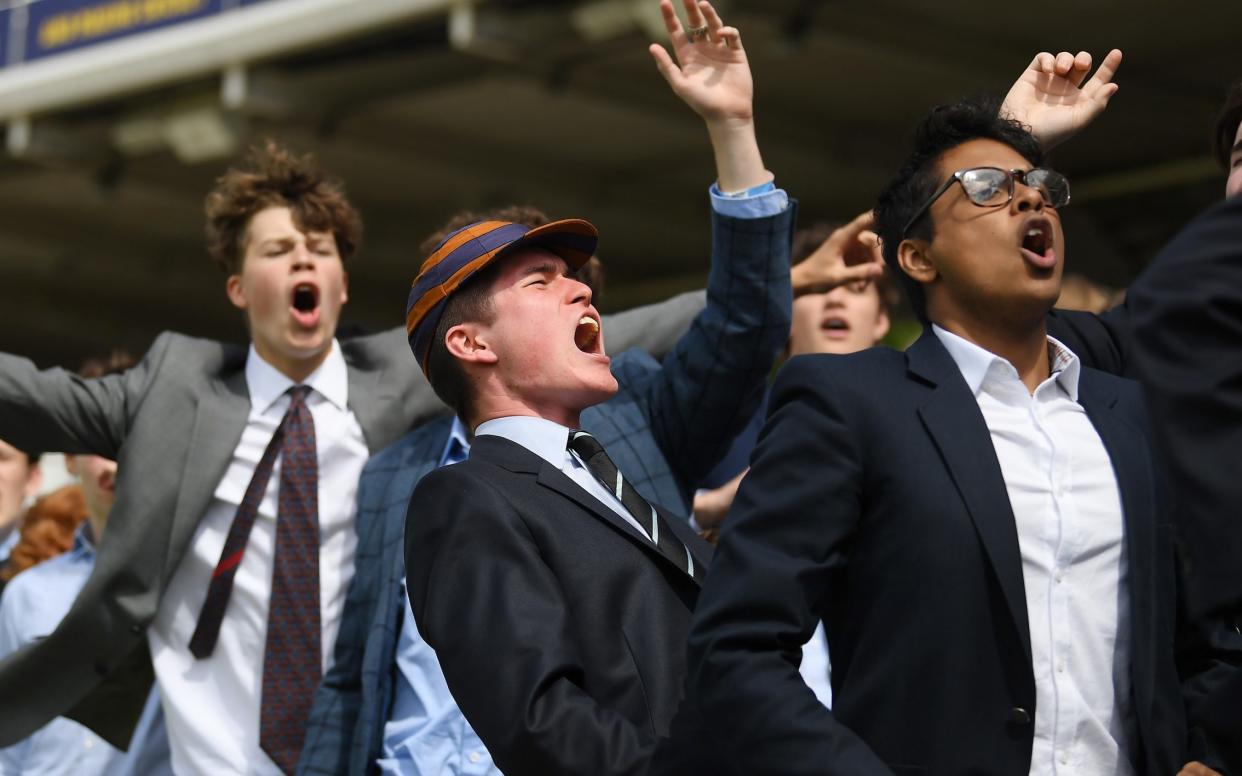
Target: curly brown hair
<point>273,176</point>
<point>47,530</point>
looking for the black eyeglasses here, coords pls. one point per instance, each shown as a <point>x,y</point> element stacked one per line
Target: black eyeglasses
<point>992,186</point>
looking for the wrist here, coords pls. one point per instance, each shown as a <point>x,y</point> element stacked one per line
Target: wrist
<point>739,165</point>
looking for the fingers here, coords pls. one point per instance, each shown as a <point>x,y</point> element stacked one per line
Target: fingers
<point>671,22</point>
<point>1043,62</point>
<point>863,222</point>
<point>694,17</point>
<point>668,68</point>
<point>1108,68</point>
<point>714,24</point>
<point>731,37</point>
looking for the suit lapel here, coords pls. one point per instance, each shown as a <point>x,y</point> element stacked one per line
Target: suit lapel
<point>953,420</point>
<point>518,459</point>
<point>219,420</point>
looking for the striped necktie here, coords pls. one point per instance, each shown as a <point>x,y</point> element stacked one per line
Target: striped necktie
<point>591,452</point>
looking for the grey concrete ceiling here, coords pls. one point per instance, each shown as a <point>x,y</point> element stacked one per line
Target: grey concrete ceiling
<point>99,247</point>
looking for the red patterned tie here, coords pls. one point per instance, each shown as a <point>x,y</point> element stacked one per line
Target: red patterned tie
<point>292,659</point>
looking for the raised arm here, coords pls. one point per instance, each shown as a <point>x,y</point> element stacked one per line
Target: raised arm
<point>709,386</point>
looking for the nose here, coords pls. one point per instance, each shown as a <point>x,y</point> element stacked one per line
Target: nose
<point>303,257</point>
<point>1027,198</point>
<point>579,292</point>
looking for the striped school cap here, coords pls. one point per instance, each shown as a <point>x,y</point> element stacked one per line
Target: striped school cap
<point>467,251</point>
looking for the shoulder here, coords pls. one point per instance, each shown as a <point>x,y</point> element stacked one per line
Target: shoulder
<point>380,350</point>
<point>1129,393</point>
<point>863,372</point>
<point>38,589</point>
<point>426,440</point>
<point>172,348</point>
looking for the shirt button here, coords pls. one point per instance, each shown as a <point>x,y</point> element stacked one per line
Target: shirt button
<point>1059,576</point>
<point>1061,667</point>
<point>474,757</point>
<point>88,743</point>
<point>1064,758</point>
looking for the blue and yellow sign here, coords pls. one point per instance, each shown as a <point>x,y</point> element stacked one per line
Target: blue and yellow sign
<point>55,26</point>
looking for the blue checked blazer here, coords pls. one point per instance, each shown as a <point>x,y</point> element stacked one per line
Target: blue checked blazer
<point>667,426</point>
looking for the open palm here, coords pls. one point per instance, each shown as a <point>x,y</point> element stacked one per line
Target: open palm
<point>711,73</point>
<point>1049,99</point>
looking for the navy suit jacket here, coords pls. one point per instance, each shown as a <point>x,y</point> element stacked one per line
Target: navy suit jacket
<point>669,423</point>
<point>875,501</point>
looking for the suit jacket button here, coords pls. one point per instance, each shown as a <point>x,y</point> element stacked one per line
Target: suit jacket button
<point>1019,716</point>
<point>136,630</point>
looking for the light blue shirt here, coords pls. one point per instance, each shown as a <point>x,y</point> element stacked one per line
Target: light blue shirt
<point>426,732</point>
<point>9,542</point>
<point>33,604</point>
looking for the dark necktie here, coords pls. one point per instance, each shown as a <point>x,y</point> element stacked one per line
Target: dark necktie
<point>292,659</point>
<point>598,463</point>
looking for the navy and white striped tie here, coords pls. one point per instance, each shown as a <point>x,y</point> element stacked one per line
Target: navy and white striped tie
<point>598,463</point>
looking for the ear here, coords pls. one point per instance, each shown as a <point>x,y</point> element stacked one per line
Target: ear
<point>236,293</point>
<point>914,260</point>
<point>468,342</point>
<point>344,286</point>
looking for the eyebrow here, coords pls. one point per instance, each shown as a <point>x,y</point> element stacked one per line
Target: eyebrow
<point>543,268</point>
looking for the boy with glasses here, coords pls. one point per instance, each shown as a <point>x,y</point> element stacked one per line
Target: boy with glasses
<point>976,521</point>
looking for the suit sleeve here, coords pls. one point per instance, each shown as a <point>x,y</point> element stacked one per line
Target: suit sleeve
<point>786,540</point>
<point>1187,311</point>
<point>56,411</point>
<point>482,597</point>
<point>653,328</point>
<point>710,385</point>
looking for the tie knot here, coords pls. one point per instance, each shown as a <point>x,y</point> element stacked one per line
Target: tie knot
<point>298,394</point>
<point>585,445</point>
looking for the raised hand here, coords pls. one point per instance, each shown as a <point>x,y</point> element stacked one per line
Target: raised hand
<point>712,76</point>
<point>851,253</point>
<point>1052,97</point>
<point>711,73</point>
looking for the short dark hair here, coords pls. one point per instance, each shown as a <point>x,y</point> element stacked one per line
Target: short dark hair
<point>470,302</point>
<point>275,177</point>
<point>1227,122</point>
<point>943,129</point>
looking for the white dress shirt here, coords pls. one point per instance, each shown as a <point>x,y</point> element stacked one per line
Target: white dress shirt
<point>1071,533</point>
<point>550,441</point>
<point>212,705</point>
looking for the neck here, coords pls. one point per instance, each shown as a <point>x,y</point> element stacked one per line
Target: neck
<point>563,416</point>
<point>1026,347</point>
<point>296,369</point>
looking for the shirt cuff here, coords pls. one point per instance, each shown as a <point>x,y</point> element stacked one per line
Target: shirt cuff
<point>762,201</point>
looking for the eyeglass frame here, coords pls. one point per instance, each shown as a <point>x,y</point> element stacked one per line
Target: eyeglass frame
<point>1014,176</point>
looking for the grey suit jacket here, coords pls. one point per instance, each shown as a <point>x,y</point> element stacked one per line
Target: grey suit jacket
<point>172,423</point>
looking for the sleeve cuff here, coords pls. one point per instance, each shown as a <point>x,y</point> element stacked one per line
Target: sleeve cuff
<point>762,201</point>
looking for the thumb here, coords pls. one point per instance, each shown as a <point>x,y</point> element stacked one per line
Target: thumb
<point>668,68</point>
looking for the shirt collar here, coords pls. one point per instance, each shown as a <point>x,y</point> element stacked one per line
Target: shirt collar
<point>267,384</point>
<point>84,540</point>
<point>545,438</point>
<point>974,362</point>
<point>457,447</point>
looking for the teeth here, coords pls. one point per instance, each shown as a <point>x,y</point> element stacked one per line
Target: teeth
<point>587,320</point>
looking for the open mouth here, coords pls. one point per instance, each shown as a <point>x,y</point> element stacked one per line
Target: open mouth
<point>835,327</point>
<point>305,304</point>
<point>1036,243</point>
<point>586,335</point>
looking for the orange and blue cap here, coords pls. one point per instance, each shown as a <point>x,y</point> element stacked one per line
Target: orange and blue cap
<point>467,251</point>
